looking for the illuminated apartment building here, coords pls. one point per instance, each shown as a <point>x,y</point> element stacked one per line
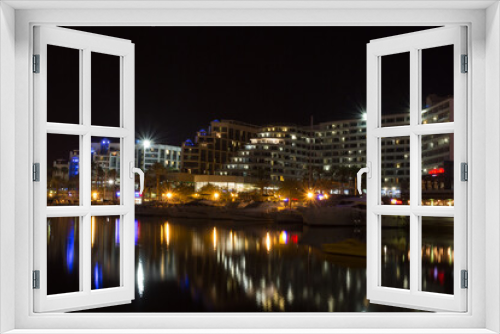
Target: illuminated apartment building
<point>147,154</point>
<point>215,146</point>
<point>294,152</point>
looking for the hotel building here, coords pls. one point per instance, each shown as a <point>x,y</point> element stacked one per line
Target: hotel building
<point>147,154</point>
<point>283,152</point>
<point>215,146</point>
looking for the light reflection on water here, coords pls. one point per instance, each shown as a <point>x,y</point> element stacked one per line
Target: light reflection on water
<point>192,266</point>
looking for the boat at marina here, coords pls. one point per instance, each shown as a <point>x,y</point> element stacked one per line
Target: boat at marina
<point>349,211</point>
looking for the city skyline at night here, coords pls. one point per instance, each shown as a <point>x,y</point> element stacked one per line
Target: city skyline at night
<point>189,76</point>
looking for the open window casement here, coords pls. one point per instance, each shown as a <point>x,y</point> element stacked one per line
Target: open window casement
<point>98,235</point>
<point>414,197</point>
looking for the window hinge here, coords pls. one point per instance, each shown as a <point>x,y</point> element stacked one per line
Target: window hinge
<point>464,279</point>
<point>464,171</point>
<point>465,64</point>
<point>36,279</point>
<point>36,172</point>
<point>36,63</point>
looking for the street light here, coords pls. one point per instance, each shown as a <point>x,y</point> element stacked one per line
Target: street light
<point>169,195</point>
<point>310,195</point>
<point>146,143</point>
<point>216,195</point>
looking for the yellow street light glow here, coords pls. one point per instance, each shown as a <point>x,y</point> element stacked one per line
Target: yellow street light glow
<point>169,195</point>
<point>216,195</point>
<point>310,195</point>
<point>94,195</point>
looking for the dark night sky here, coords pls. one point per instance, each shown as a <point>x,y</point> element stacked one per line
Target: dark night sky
<point>188,76</point>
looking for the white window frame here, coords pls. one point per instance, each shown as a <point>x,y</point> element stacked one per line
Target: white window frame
<point>85,43</point>
<point>414,44</point>
<point>483,20</point>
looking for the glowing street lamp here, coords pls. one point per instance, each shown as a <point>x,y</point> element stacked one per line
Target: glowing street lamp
<point>146,143</point>
<point>169,195</point>
<point>310,195</point>
<point>216,196</point>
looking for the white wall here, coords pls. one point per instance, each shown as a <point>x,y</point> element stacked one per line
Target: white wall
<point>7,158</point>
<point>246,17</point>
<point>492,166</point>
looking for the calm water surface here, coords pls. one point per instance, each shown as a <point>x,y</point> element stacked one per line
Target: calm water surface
<point>205,266</point>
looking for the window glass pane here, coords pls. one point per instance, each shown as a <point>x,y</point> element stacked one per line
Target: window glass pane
<point>395,251</point>
<point>63,255</point>
<point>105,171</point>
<point>437,85</point>
<point>105,90</point>
<point>63,170</point>
<point>437,254</point>
<point>395,89</point>
<point>437,170</point>
<point>395,170</point>
<point>105,238</point>
<point>63,85</point>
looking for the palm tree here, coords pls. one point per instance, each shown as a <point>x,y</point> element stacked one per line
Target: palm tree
<point>290,188</point>
<point>344,174</point>
<point>99,172</point>
<point>158,171</point>
<point>149,178</point>
<point>262,182</point>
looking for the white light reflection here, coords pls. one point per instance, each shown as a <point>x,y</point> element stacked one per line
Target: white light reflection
<point>140,278</point>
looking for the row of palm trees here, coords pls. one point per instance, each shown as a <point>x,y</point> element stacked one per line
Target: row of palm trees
<point>342,178</point>
<point>59,180</point>
<point>156,181</point>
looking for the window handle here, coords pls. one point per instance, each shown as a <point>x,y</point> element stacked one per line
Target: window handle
<point>368,171</point>
<point>133,170</point>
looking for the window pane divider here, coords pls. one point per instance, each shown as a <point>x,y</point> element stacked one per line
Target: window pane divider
<point>109,210</point>
<point>80,211</point>
<point>415,95</point>
<point>77,129</point>
<point>419,210</point>
<point>421,129</point>
<point>105,131</point>
<point>66,129</point>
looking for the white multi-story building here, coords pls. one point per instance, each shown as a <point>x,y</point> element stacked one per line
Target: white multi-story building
<point>298,152</point>
<point>147,154</point>
<point>278,152</point>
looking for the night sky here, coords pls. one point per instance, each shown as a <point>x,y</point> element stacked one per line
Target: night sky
<point>188,76</point>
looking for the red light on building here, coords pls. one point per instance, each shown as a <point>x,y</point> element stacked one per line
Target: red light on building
<point>436,171</point>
